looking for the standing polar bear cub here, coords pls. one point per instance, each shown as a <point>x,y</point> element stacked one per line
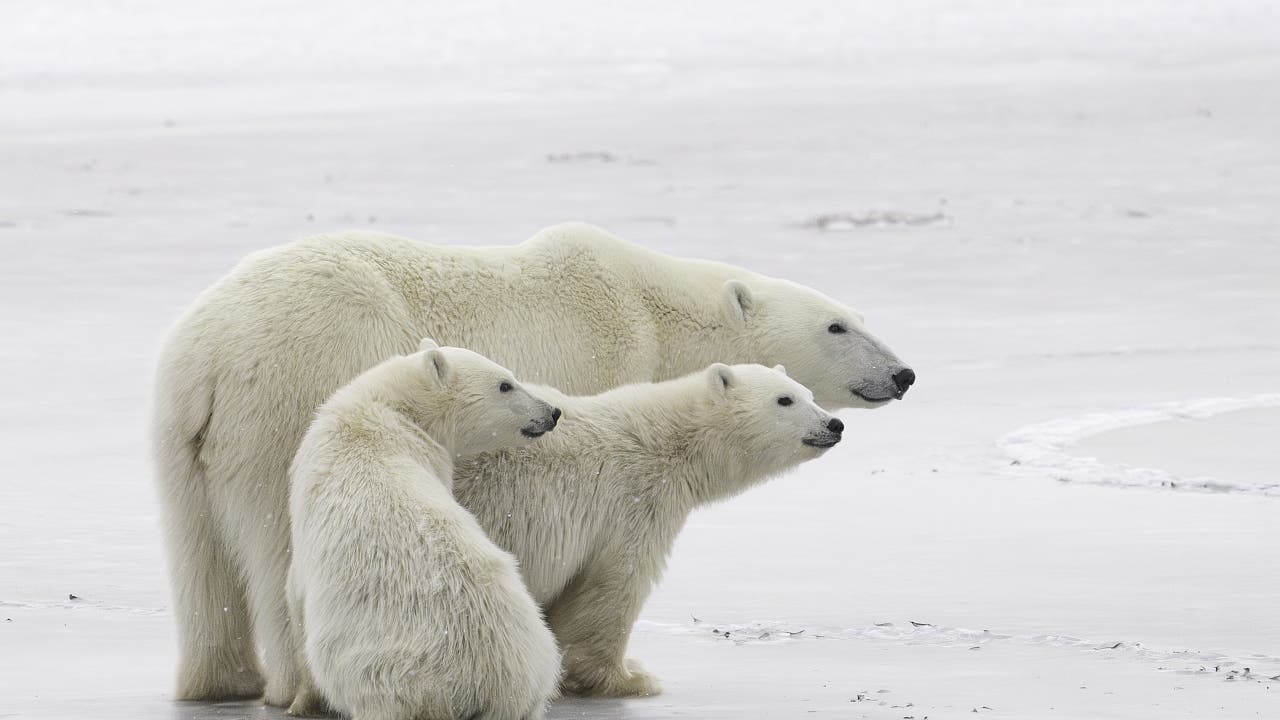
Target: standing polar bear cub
<point>592,511</point>
<point>402,607</point>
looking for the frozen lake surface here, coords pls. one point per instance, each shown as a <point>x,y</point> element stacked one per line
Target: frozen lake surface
<point>1065,216</point>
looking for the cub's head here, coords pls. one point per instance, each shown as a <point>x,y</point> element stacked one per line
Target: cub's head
<point>481,406</point>
<point>822,343</point>
<point>765,419</point>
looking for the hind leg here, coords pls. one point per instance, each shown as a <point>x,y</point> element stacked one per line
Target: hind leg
<point>217,660</point>
<point>307,702</point>
<point>268,570</point>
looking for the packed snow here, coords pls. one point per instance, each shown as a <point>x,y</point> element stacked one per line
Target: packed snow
<point>1064,215</point>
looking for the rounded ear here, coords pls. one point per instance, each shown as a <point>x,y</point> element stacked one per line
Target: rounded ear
<point>780,369</point>
<point>438,366</point>
<point>427,344</point>
<point>720,378</point>
<point>737,301</point>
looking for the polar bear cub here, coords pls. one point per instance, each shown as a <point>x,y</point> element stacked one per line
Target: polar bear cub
<point>592,511</point>
<point>403,608</point>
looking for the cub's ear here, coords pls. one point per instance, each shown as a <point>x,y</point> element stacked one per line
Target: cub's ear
<point>738,302</point>
<point>720,378</point>
<point>427,344</point>
<point>780,369</point>
<point>438,367</point>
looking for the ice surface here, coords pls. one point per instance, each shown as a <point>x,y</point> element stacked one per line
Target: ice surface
<point>1101,182</point>
<point>1043,448</point>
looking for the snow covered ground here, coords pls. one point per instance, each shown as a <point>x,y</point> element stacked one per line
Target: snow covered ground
<point>1063,214</point>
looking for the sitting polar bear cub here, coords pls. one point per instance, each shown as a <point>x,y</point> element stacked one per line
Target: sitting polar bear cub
<point>403,608</point>
<point>591,512</point>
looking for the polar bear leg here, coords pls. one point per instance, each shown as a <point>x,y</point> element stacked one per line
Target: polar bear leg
<point>265,550</point>
<point>308,701</point>
<point>592,621</point>
<point>217,659</point>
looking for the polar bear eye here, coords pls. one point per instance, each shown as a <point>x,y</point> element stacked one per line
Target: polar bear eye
<point>785,401</point>
<point>504,386</point>
<point>836,328</point>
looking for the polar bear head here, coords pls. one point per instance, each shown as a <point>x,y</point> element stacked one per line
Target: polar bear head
<point>763,420</point>
<point>823,344</point>
<point>476,403</point>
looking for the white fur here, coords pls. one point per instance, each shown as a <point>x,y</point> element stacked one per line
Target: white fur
<point>591,511</point>
<point>247,364</point>
<point>404,607</point>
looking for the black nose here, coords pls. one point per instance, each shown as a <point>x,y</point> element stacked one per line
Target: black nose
<point>555,415</point>
<point>903,379</point>
<point>835,425</point>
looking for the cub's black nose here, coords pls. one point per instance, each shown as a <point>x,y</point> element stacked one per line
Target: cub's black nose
<point>555,414</point>
<point>835,425</point>
<point>904,379</point>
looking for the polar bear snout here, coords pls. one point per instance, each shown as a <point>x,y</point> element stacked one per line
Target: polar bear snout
<point>903,379</point>
<point>543,422</point>
<point>828,436</point>
<point>889,386</point>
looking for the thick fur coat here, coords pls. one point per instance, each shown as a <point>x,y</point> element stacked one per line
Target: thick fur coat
<point>592,510</point>
<point>245,367</point>
<point>402,606</point>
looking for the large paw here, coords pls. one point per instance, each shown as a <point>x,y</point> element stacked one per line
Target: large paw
<point>630,680</point>
<point>206,684</point>
<point>307,704</point>
<point>280,694</point>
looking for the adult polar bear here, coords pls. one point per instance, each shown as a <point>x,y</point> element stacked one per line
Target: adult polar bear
<point>245,367</point>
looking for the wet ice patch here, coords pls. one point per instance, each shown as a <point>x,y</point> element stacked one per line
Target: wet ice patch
<point>1041,450</point>
<point>595,157</point>
<point>838,222</point>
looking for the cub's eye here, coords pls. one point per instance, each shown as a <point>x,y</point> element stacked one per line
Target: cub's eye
<point>785,401</point>
<point>837,328</point>
<point>504,386</point>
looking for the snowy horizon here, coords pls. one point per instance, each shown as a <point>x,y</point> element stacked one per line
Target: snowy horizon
<point>1062,215</point>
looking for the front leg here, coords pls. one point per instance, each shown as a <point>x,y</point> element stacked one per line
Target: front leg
<point>592,621</point>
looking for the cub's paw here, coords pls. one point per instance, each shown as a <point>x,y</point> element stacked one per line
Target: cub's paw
<point>307,704</point>
<point>280,694</point>
<point>630,680</point>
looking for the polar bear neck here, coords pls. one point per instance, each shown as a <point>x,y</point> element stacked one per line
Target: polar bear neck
<point>674,306</point>
<point>669,429</point>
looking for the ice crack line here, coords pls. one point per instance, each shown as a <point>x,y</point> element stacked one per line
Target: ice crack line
<point>1258,667</point>
<point>1041,449</point>
<point>81,605</point>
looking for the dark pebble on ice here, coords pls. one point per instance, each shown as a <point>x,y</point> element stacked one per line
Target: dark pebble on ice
<point>73,597</point>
